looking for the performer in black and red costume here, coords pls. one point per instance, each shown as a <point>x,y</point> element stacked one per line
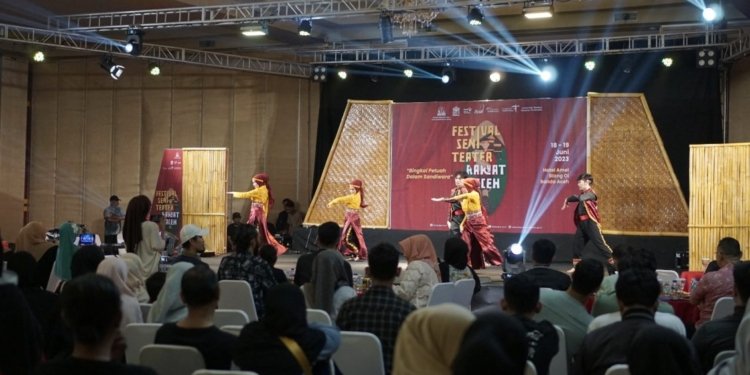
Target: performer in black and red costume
<point>586,219</point>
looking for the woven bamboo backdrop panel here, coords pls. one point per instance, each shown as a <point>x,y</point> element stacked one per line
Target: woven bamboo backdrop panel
<point>204,199</point>
<point>639,193</point>
<point>361,151</point>
<point>719,199</point>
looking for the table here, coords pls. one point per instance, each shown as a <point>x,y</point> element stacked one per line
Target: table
<point>686,311</point>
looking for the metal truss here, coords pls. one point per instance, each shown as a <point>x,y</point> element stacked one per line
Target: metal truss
<point>737,49</point>
<point>537,49</point>
<point>243,13</point>
<point>96,43</point>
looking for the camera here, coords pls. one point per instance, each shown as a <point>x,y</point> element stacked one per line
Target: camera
<point>85,239</point>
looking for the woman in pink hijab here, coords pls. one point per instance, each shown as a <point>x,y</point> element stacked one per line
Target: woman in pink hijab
<point>116,269</point>
<point>421,273</point>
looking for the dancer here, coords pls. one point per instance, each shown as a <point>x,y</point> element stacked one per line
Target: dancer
<point>261,200</point>
<point>456,214</point>
<point>586,219</point>
<point>474,229</point>
<point>352,239</point>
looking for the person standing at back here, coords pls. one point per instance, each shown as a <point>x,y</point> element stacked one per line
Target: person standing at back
<point>113,218</point>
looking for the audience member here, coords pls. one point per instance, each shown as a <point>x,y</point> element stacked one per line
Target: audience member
<point>331,278</point>
<point>521,300</point>
<point>379,310</point>
<point>421,273</point>
<point>289,220</point>
<point>637,292</point>
<point>91,308</point>
<point>193,245</point>
<point>116,269</point>
<point>715,285</point>
<point>113,217</point>
<point>456,264</point>
<point>136,276</point>
<point>232,230</point>
<point>430,338</point>
<point>244,264</point>
<point>85,260</point>
<point>200,292</point>
<point>267,346</point>
<point>32,238</point>
<point>66,248</point>
<point>268,253</point>
<point>542,252</point>
<point>495,343</point>
<point>661,351</point>
<point>566,309</point>
<point>739,364</point>
<point>143,237</point>
<point>154,283</point>
<point>327,238</point>
<point>20,336</point>
<point>718,335</point>
<point>168,306</point>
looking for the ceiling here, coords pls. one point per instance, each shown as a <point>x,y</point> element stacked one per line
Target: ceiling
<point>357,29</point>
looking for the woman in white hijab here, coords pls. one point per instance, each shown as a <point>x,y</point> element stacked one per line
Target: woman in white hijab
<point>136,276</point>
<point>168,307</point>
<point>116,269</point>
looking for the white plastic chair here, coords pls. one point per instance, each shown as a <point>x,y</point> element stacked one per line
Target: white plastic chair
<point>235,330</point>
<point>559,363</point>
<point>666,276</point>
<point>237,295</point>
<point>359,353</point>
<point>145,308</point>
<point>723,307</point>
<point>441,293</point>
<point>138,335</point>
<point>172,359</point>
<point>226,317</point>
<point>318,316</point>
<point>723,355</point>
<point>620,369</point>
<point>463,291</point>
<point>530,368</point>
<point>223,372</point>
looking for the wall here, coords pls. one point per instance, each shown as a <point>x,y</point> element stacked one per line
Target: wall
<point>739,98</point>
<point>92,136</point>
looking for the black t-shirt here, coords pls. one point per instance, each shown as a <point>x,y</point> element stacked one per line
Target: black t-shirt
<point>75,366</point>
<point>214,344</point>
<point>546,277</point>
<point>543,343</point>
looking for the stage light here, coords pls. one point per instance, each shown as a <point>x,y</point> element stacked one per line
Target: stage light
<point>475,16</point>
<point>408,73</point>
<point>667,61</point>
<point>154,69</point>
<point>548,74</point>
<point>259,29</point>
<point>706,58</point>
<point>134,41</point>
<point>38,56</point>
<point>320,73</point>
<point>342,74</point>
<point>386,28</point>
<point>590,65</point>
<point>305,27</point>
<point>514,260</point>
<point>537,9</point>
<point>495,77</point>
<point>115,70</point>
<point>448,75</point>
<point>713,12</point>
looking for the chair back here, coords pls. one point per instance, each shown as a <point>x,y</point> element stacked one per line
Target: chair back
<point>227,317</point>
<point>666,276</point>
<point>620,369</point>
<point>441,293</point>
<point>359,353</point>
<point>172,359</point>
<point>223,372</point>
<point>463,291</point>
<point>318,316</point>
<point>723,355</point>
<point>530,368</point>
<point>723,307</point>
<point>145,308</point>
<point>235,330</point>
<point>237,295</point>
<point>138,335</point>
<point>559,363</point>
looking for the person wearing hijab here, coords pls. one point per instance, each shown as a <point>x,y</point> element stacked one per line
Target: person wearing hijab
<point>168,307</point>
<point>495,343</point>
<point>136,276</point>
<point>65,251</point>
<point>116,269</point>
<point>32,238</point>
<point>352,240</point>
<point>739,364</point>
<point>429,340</point>
<point>142,236</point>
<point>421,273</point>
<point>86,260</point>
<point>331,282</point>
<point>21,337</point>
<point>456,266</point>
<point>261,200</point>
<point>264,346</point>
<point>661,351</point>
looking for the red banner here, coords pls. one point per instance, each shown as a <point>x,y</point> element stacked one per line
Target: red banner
<point>526,153</point>
<point>168,195</point>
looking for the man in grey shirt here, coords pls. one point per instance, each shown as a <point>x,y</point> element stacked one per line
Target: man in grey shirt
<point>113,218</point>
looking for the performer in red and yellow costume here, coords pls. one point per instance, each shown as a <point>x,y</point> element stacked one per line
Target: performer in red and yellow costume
<point>352,239</point>
<point>474,229</point>
<point>261,199</point>
<point>587,221</point>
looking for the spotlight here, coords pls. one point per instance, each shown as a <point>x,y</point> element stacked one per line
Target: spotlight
<point>134,41</point>
<point>590,65</point>
<point>319,73</point>
<point>342,74</point>
<point>38,56</point>
<point>495,77</point>
<point>514,260</point>
<point>537,9</point>
<point>115,70</point>
<point>706,58</point>
<point>154,69</point>
<point>408,73</point>
<point>386,28</point>
<point>259,29</point>
<point>448,75</point>
<point>713,12</point>
<point>548,74</point>
<point>475,16</point>
<point>667,61</point>
<point>305,27</point>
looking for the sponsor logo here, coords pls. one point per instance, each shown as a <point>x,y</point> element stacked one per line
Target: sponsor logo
<point>456,111</point>
<point>441,115</point>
